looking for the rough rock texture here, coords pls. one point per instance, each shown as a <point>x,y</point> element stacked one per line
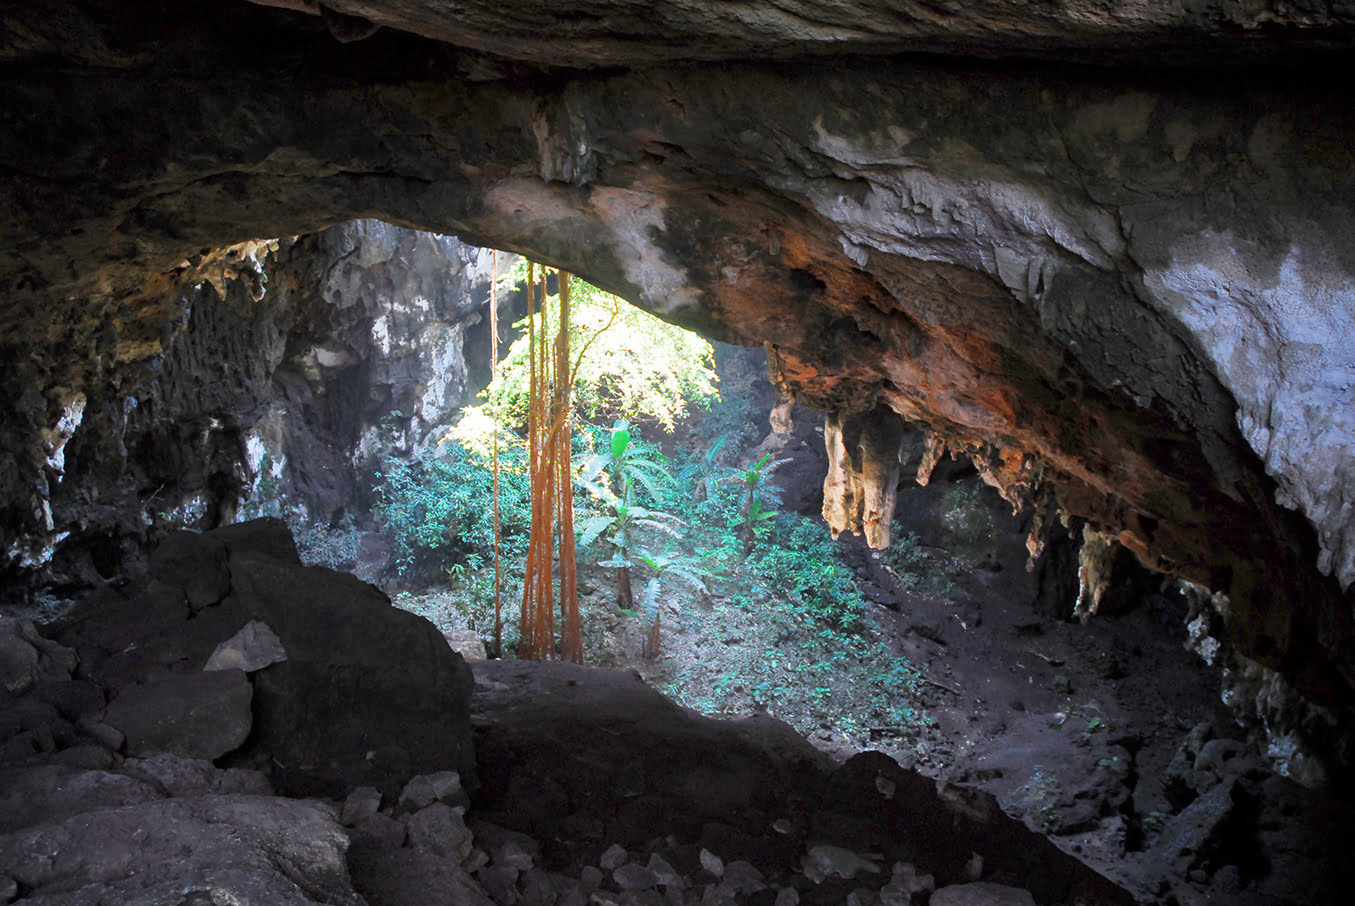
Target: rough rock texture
<point>1127,292</point>
<point>367,695</point>
<point>598,32</point>
<point>203,849</point>
<point>282,375</point>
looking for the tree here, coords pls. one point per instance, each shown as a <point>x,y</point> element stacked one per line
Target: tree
<point>552,494</point>
<point>635,364</point>
<point>760,496</point>
<point>612,476</point>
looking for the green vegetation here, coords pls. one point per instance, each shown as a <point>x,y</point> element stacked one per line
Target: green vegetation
<point>437,510</point>
<point>633,365</point>
<point>758,607</point>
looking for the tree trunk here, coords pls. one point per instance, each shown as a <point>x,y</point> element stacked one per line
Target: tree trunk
<point>624,599</point>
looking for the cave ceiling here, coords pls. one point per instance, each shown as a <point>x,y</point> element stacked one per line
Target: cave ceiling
<point>1108,249</point>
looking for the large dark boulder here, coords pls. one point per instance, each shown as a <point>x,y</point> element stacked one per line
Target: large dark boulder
<point>369,694</point>
<point>201,715</point>
<point>196,850</point>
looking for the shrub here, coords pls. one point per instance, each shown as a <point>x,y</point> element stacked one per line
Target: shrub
<point>437,510</point>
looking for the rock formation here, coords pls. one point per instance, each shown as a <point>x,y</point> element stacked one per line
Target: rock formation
<point>1126,291</point>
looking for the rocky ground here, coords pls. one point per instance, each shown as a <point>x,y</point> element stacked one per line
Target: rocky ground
<point>220,736</point>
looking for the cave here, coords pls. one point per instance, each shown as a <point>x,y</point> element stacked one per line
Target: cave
<point>1102,251</point>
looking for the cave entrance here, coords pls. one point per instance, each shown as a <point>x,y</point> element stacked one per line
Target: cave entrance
<point>929,650</point>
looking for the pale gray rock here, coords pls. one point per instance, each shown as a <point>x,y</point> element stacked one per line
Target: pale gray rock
<point>425,789</point>
<point>664,873</point>
<point>179,775</point>
<point>743,877</point>
<point>904,884</point>
<point>254,647</point>
<point>439,829</point>
<point>361,803</point>
<point>613,857</point>
<point>633,876</point>
<point>467,643</point>
<point>712,863</point>
<point>824,859</point>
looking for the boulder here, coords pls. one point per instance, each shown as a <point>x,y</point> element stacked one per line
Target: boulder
<point>26,657</point>
<point>398,877</point>
<point>194,563</point>
<point>982,893</point>
<point>254,647</point>
<point>32,795</point>
<point>200,715</point>
<point>369,694</point>
<point>1187,836</point>
<point>202,849</point>
<point>439,829</point>
<point>467,643</point>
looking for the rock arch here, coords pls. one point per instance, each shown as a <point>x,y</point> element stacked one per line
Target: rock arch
<point>1130,293</point>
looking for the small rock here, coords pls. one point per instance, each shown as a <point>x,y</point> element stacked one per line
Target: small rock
<point>648,897</point>
<point>18,658</point>
<point>981,893</point>
<point>712,863</point>
<point>361,803</point>
<point>467,643</point>
<point>500,882</point>
<point>538,888</point>
<point>477,860</point>
<point>788,896</point>
<point>378,831</point>
<point>254,647</point>
<point>613,857</point>
<point>515,855</point>
<point>425,789</point>
<point>89,756</point>
<point>633,876</point>
<point>904,882</point>
<point>110,738</point>
<point>862,896</point>
<point>743,877</point>
<point>824,860</point>
<point>1229,878</point>
<point>590,877</point>
<point>664,873</point>
<point>439,829</point>
<point>1062,684</point>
